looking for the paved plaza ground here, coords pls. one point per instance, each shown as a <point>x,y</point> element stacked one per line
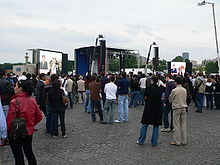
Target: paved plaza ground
<point>95,143</point>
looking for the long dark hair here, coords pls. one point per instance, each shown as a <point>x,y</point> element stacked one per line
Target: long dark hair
<point>56,84</point>
<point>26,86</point>
<point>155,79</point>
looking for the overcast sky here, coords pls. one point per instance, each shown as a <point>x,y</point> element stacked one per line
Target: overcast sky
<point>62,25</point>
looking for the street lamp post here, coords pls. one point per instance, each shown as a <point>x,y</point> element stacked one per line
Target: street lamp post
<point>148,55</point>
<point>215,29</point>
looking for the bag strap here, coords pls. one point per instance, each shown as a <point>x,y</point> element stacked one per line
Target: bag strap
<point>200,84</point>
<point>16,108</point>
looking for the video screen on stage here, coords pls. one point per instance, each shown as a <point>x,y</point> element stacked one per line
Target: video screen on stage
<point>178,68</point>
<point>50,62</point>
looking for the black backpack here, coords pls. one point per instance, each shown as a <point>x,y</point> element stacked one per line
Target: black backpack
<point>18,124</point>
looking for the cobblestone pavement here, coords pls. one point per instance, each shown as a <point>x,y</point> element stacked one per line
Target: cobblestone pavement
<point>95,143</point>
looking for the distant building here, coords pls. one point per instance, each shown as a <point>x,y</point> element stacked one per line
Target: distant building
<point>28,68</point>
<point>205,61</point>
<point>185,55</point>
<point>194,62</point>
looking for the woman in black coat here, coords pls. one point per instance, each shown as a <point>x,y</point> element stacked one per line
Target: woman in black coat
<point>57,108</point>
<point>152,112</point>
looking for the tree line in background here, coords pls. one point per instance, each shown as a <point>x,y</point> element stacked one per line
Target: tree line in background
<point>132,62</point>
<point>9,66</point>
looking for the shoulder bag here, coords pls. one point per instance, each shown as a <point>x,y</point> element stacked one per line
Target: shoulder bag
<point>18,124</point>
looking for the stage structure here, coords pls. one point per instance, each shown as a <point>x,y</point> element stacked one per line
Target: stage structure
<point>49,61</point>
<point>94,59</point>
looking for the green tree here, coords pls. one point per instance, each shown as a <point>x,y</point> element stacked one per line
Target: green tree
<point>113,65</point>
<point>178,59</point>
<point>186,60</point>
<point>149,66</point>
<point>162,68</point>
<point>130,61</point>
<point>9,66</point>
<point>211,67</point>
<point>70,66</point>
<point>198,69</point>
<point>162,62</point>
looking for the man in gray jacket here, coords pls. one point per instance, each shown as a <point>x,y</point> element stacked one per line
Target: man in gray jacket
<point>178,100</point>
<point>200,83</point>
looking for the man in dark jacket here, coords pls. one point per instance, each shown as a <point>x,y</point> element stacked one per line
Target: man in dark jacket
<point>167,105</point>
<point>6,91</point>
<point>47,88</point>
<point>39,92</point>
<point>104,80</point>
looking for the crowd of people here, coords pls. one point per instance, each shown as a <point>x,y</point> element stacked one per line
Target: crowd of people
<point>165,99</point>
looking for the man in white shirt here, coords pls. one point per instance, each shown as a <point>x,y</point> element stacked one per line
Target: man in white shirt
<point>109,108</point>
<point>22,77</point>
<point>142,83</point>
<point>69,89</point>
<point>81,89</point>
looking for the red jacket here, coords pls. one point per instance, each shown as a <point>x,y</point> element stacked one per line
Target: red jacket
<point>29,110</point>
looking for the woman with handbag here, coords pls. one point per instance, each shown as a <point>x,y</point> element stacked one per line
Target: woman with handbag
<point>56,97</point>
<point>24,112</point>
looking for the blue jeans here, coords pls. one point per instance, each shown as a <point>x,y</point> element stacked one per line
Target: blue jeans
<point>166,111</point>
<point>134,98</point>
<point>87,104</point>
<point>199,101</point>
<point>143,134</point>
<point>70,97</point>
<point>142,95</point>
<point>123,107</point>
<point>58,112</point>
<point>48,119</point>
<point>96,104</point>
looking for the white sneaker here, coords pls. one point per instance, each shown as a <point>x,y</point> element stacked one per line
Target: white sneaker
<point>55,137</point>
<point>139,143</point>
<point>65,136</point>
<point>118,121</point>
<point>165,130</point>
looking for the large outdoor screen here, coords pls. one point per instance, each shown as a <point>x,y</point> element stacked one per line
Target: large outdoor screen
<point>178,68</point>
<point>50,62</point>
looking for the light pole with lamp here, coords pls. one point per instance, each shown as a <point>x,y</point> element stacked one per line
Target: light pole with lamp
<point>215,29</point>
<point>148,56</point>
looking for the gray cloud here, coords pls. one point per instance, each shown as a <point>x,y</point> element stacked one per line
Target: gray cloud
<point>136,29</point>
<point>65,25</point>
